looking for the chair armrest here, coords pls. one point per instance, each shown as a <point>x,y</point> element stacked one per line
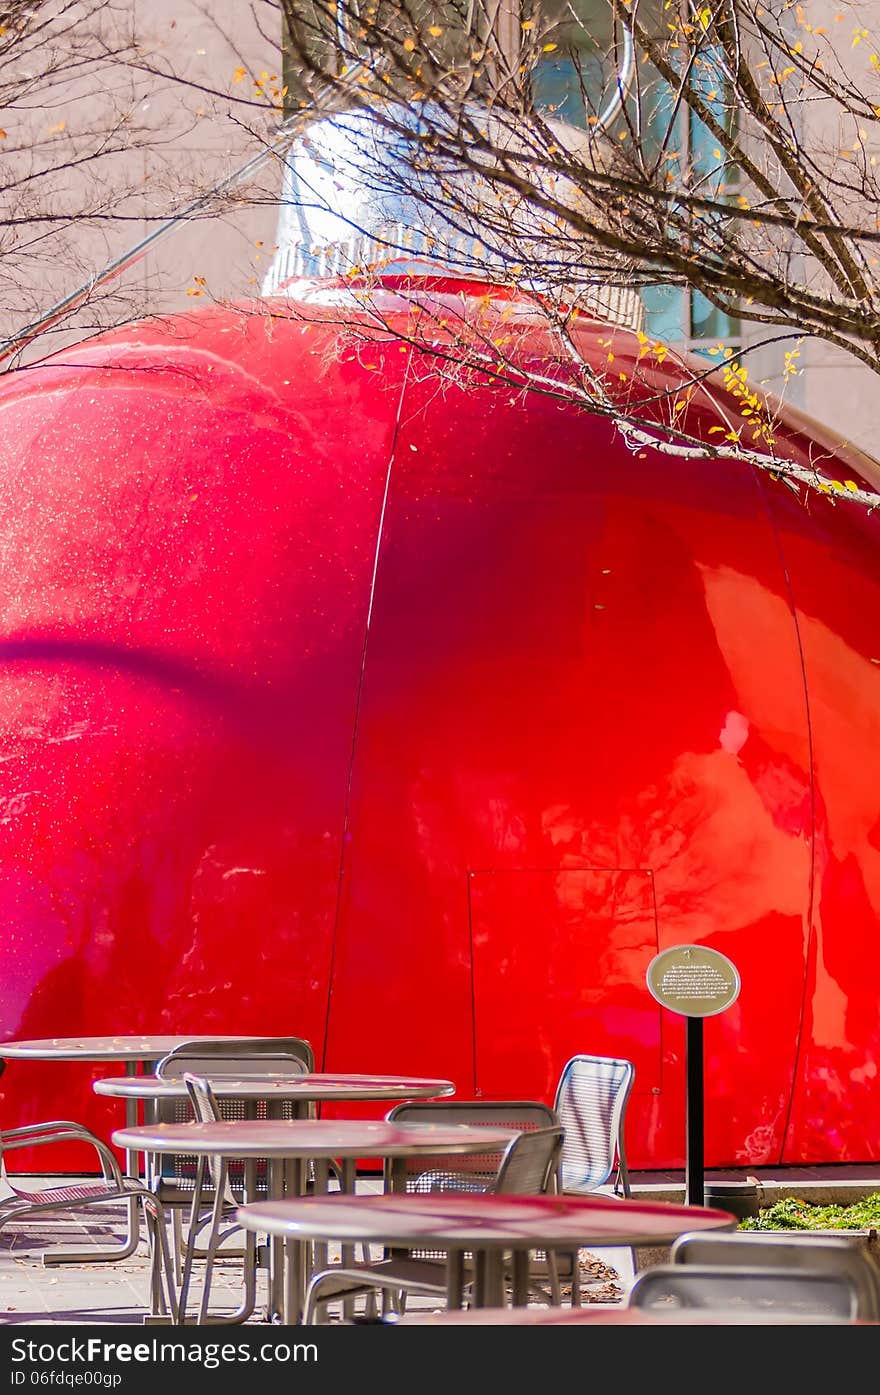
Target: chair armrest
<point>46,1126</point>
<point>60,1131</point>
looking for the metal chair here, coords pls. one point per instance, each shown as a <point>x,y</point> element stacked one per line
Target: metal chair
<point>172,1176</point>
<point>831,1254</point>
<point>223,1207</point>
<point>591,1100</point>
<point>590,1103</point>
<point>477,1173</point>
<point>237,1057</point>
<point>528,1166</point>
<point>17,1204</point>
<point>471,1173</point>
<point>745,1289</point>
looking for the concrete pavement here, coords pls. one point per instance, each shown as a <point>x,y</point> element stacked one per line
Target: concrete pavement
<point>117,1292</point>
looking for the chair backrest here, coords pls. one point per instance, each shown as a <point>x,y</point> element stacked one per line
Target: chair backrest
<point>590,1103</point>
<point>204,1101</point>
<point>207,1109</point>
<point>530,1162</point>
<point>743,1289</point>
<point>471,1173</point>
<point>831,1254</point>
<point>239,1056</point>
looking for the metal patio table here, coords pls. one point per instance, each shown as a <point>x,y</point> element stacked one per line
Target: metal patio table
<point>138,1052</point>
<point>488,1225</point>
<point>316,1087</point>
<point>618,1315</point>
<point>286,1145</point>
<point>303,1091</point>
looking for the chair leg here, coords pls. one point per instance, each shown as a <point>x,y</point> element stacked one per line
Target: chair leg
<point>157,1295</point>
<point>211,1247</point>
<point>186,1275</point>
<point>178,1247</point>
<point>160,1262</point>
<point>158,1306</point>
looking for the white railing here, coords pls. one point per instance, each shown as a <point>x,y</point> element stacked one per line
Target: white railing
<point>401,249</point>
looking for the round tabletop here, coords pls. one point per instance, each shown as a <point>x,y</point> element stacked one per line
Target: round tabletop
<point>612,1313</point>
<point>315,1086</point>
<point>312,1138</point>
<point>481,1220</point>
<point>121,1048</point>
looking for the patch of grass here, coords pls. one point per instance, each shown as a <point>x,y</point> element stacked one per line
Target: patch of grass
<point>794,1214</point>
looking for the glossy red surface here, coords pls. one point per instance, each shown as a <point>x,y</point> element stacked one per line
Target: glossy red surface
<point>415,716</point>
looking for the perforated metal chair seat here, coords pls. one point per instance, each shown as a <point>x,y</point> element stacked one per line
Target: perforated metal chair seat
<point>451,1182</point>
<point>175,1182</point>
<point>79,1191</point>
<point>393,1274</point>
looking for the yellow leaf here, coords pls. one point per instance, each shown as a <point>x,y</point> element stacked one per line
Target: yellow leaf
<point>435,31</point>
<point>713,429</point>
<point>409,45</point>
<point>57,128</point>
<point>239,74</point>
<point>852,486</point>
<point>549,48</point>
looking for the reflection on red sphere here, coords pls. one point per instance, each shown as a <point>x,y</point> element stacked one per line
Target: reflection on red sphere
<point>414,715</point>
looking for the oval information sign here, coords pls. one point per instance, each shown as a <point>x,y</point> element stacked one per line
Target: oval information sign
<point>693,980</point>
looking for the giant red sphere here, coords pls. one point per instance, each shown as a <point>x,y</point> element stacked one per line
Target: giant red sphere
<point>414,713</point>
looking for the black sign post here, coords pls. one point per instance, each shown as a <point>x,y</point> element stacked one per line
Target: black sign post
<point>696,982</point>
<point>694,1175</point>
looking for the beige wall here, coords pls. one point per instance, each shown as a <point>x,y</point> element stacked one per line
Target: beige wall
<point>188,125</point>
<point>833,387</point>
<point>206,45</point>
<point>199,124</point>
